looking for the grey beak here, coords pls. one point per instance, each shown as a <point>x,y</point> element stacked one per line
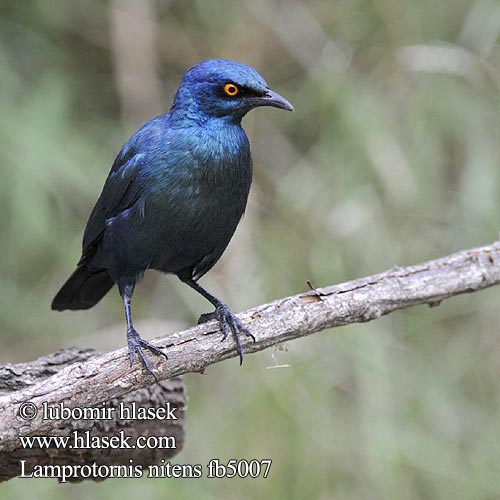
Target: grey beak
<point>271,98</point>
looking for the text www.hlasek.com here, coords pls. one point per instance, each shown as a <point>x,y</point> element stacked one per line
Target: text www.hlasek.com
<point>85,441</point>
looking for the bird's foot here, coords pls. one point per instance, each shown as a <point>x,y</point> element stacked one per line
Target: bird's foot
<point>135,345</point>
<point>229,323</point>
<point>206,317</point>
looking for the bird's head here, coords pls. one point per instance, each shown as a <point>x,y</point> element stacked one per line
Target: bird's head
<point>225,89</point>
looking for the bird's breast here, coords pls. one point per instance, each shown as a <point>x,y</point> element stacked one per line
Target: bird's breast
<point>203,181</point>
<point>198,203</point>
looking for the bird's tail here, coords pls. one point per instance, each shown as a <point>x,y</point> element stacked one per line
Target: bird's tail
<point>83,289</point>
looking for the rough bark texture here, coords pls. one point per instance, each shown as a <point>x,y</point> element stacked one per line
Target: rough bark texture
<point>20,376</point>
<point>108,376</point>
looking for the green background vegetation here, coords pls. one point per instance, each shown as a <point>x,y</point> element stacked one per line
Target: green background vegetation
<point>391,158</point>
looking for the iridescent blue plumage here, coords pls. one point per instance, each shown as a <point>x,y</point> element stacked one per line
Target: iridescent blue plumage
<point>175,195</point>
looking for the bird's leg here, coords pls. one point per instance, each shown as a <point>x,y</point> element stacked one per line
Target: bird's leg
<point>134,340</point>
<point>227,319</point>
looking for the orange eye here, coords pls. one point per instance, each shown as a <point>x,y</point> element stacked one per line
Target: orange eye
<point>231,89</point>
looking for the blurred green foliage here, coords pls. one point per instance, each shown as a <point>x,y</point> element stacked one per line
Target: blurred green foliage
<point>391,158</point>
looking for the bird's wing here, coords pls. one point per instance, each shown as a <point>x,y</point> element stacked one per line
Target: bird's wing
<point>121,190</point>
<point>123,187</point>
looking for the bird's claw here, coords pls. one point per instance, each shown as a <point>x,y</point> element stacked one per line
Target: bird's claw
<point>206,317</point>
<point>135,345</point>
<point>228,323</point>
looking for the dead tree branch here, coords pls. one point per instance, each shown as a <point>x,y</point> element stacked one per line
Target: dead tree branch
<point>20,376</point>
<point>109,376</point>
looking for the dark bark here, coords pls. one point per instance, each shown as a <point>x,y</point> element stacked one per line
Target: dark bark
<point>21,376</point>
